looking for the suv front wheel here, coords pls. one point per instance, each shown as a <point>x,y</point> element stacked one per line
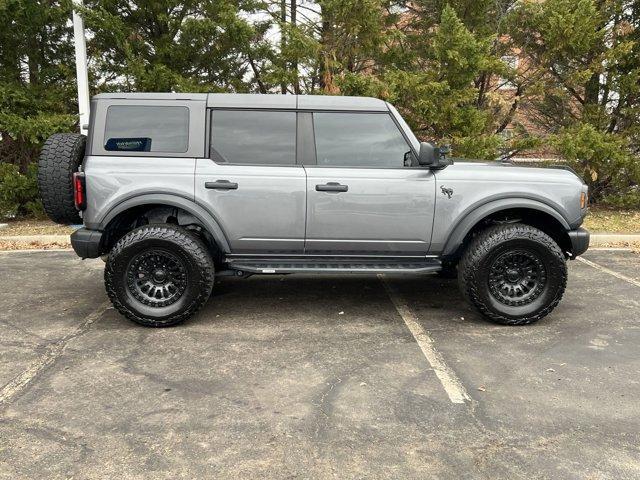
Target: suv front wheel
<point>514,274</point>
<point>159,275</point>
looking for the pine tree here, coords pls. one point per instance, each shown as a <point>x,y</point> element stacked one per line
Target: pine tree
<point>37,77</point>
<point>162,46</point>
<point>587,57</point>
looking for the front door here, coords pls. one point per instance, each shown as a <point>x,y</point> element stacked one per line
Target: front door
<point>251,184</point>
<point>364,194</point>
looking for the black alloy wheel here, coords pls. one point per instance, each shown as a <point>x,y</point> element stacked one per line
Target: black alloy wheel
<point>156,277</point>
<point>517,277</point>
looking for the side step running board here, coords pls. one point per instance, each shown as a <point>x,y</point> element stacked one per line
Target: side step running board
<point>335,265</point>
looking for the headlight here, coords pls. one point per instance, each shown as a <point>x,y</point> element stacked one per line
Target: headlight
<point>584,200</point>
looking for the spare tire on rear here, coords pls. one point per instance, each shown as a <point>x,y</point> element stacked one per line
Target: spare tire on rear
<point>60,157</point>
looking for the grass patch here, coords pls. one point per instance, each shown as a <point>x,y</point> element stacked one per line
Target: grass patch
<point>608,220</point>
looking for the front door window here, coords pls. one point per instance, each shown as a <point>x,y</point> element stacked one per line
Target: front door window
<point>359,140</point>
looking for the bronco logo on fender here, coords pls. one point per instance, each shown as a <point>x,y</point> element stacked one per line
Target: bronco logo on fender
<point>446,191</point>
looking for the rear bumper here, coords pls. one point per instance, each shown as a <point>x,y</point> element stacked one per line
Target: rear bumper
<point>579,241</point>
<point>86,243</point>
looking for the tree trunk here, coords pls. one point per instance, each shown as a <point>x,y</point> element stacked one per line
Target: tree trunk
<point>325,72</point>
<point>294,62</point>
<point>592,90</point>
<point>283,41</point>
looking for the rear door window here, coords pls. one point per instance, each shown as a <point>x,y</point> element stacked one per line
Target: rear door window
<point>253,137</point>
<point>359,140</point>
<point>146,128</point>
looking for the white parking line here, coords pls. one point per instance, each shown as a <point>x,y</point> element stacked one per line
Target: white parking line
<point>450,382</point>
<point>632,281</point>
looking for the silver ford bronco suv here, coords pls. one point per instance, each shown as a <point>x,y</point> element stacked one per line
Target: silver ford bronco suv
<point>173,189</point>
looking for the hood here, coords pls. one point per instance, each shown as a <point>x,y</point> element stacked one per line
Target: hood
<point>515,172</point>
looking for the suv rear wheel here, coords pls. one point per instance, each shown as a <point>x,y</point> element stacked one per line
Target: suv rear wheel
<point>159,275</point>
<point>514,274</point>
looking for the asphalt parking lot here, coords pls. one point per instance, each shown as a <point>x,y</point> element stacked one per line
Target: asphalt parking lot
<point>317,377</point>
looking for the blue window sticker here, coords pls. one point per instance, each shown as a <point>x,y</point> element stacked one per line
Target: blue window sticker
<point>134,144</point>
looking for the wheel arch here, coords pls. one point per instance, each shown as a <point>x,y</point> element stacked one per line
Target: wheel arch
<point>139,205</point>
<point>527,211</point>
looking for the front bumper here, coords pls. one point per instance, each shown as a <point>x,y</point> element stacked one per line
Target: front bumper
<point>579,241</point>
<point>86,243</point>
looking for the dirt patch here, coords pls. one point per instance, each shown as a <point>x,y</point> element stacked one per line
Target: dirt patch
<point>12,245</point>
<point>34,227</point>
<point>612,221</point>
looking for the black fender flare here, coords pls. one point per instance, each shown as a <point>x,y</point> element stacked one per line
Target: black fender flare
<point>204,216</point>
<point>470,219</point>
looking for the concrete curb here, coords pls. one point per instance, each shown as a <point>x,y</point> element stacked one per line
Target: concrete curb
<point>605,238</point>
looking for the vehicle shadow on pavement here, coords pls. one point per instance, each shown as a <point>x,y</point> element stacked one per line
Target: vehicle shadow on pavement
<point>336,297</point>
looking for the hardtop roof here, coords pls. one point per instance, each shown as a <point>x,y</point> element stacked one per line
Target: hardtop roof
<point>257,100</point>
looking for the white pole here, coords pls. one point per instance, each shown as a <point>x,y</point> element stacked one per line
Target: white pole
<point>81,69</point>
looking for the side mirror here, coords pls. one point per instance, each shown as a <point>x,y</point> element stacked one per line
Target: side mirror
<point>432,156</point>
<point>427,156</point>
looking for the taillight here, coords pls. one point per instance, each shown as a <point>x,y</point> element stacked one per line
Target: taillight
<point>79,191</point>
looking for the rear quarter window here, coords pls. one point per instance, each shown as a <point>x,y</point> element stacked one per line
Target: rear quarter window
<point>145,128</point>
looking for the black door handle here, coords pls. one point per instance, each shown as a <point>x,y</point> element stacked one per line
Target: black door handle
<point>221,185</point>
<point>332,187</point>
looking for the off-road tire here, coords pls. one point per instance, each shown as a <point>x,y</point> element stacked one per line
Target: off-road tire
<point>60,157</point>
<point>474,271</point>
<point>174,242</point>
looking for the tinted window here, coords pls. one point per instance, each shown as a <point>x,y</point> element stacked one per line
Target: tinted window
<point>147,129</point>
<point>359,140</point>
<point>257,137</point>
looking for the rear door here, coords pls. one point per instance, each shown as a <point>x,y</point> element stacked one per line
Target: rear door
<point>251,183</point>
<point>365,194</point>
